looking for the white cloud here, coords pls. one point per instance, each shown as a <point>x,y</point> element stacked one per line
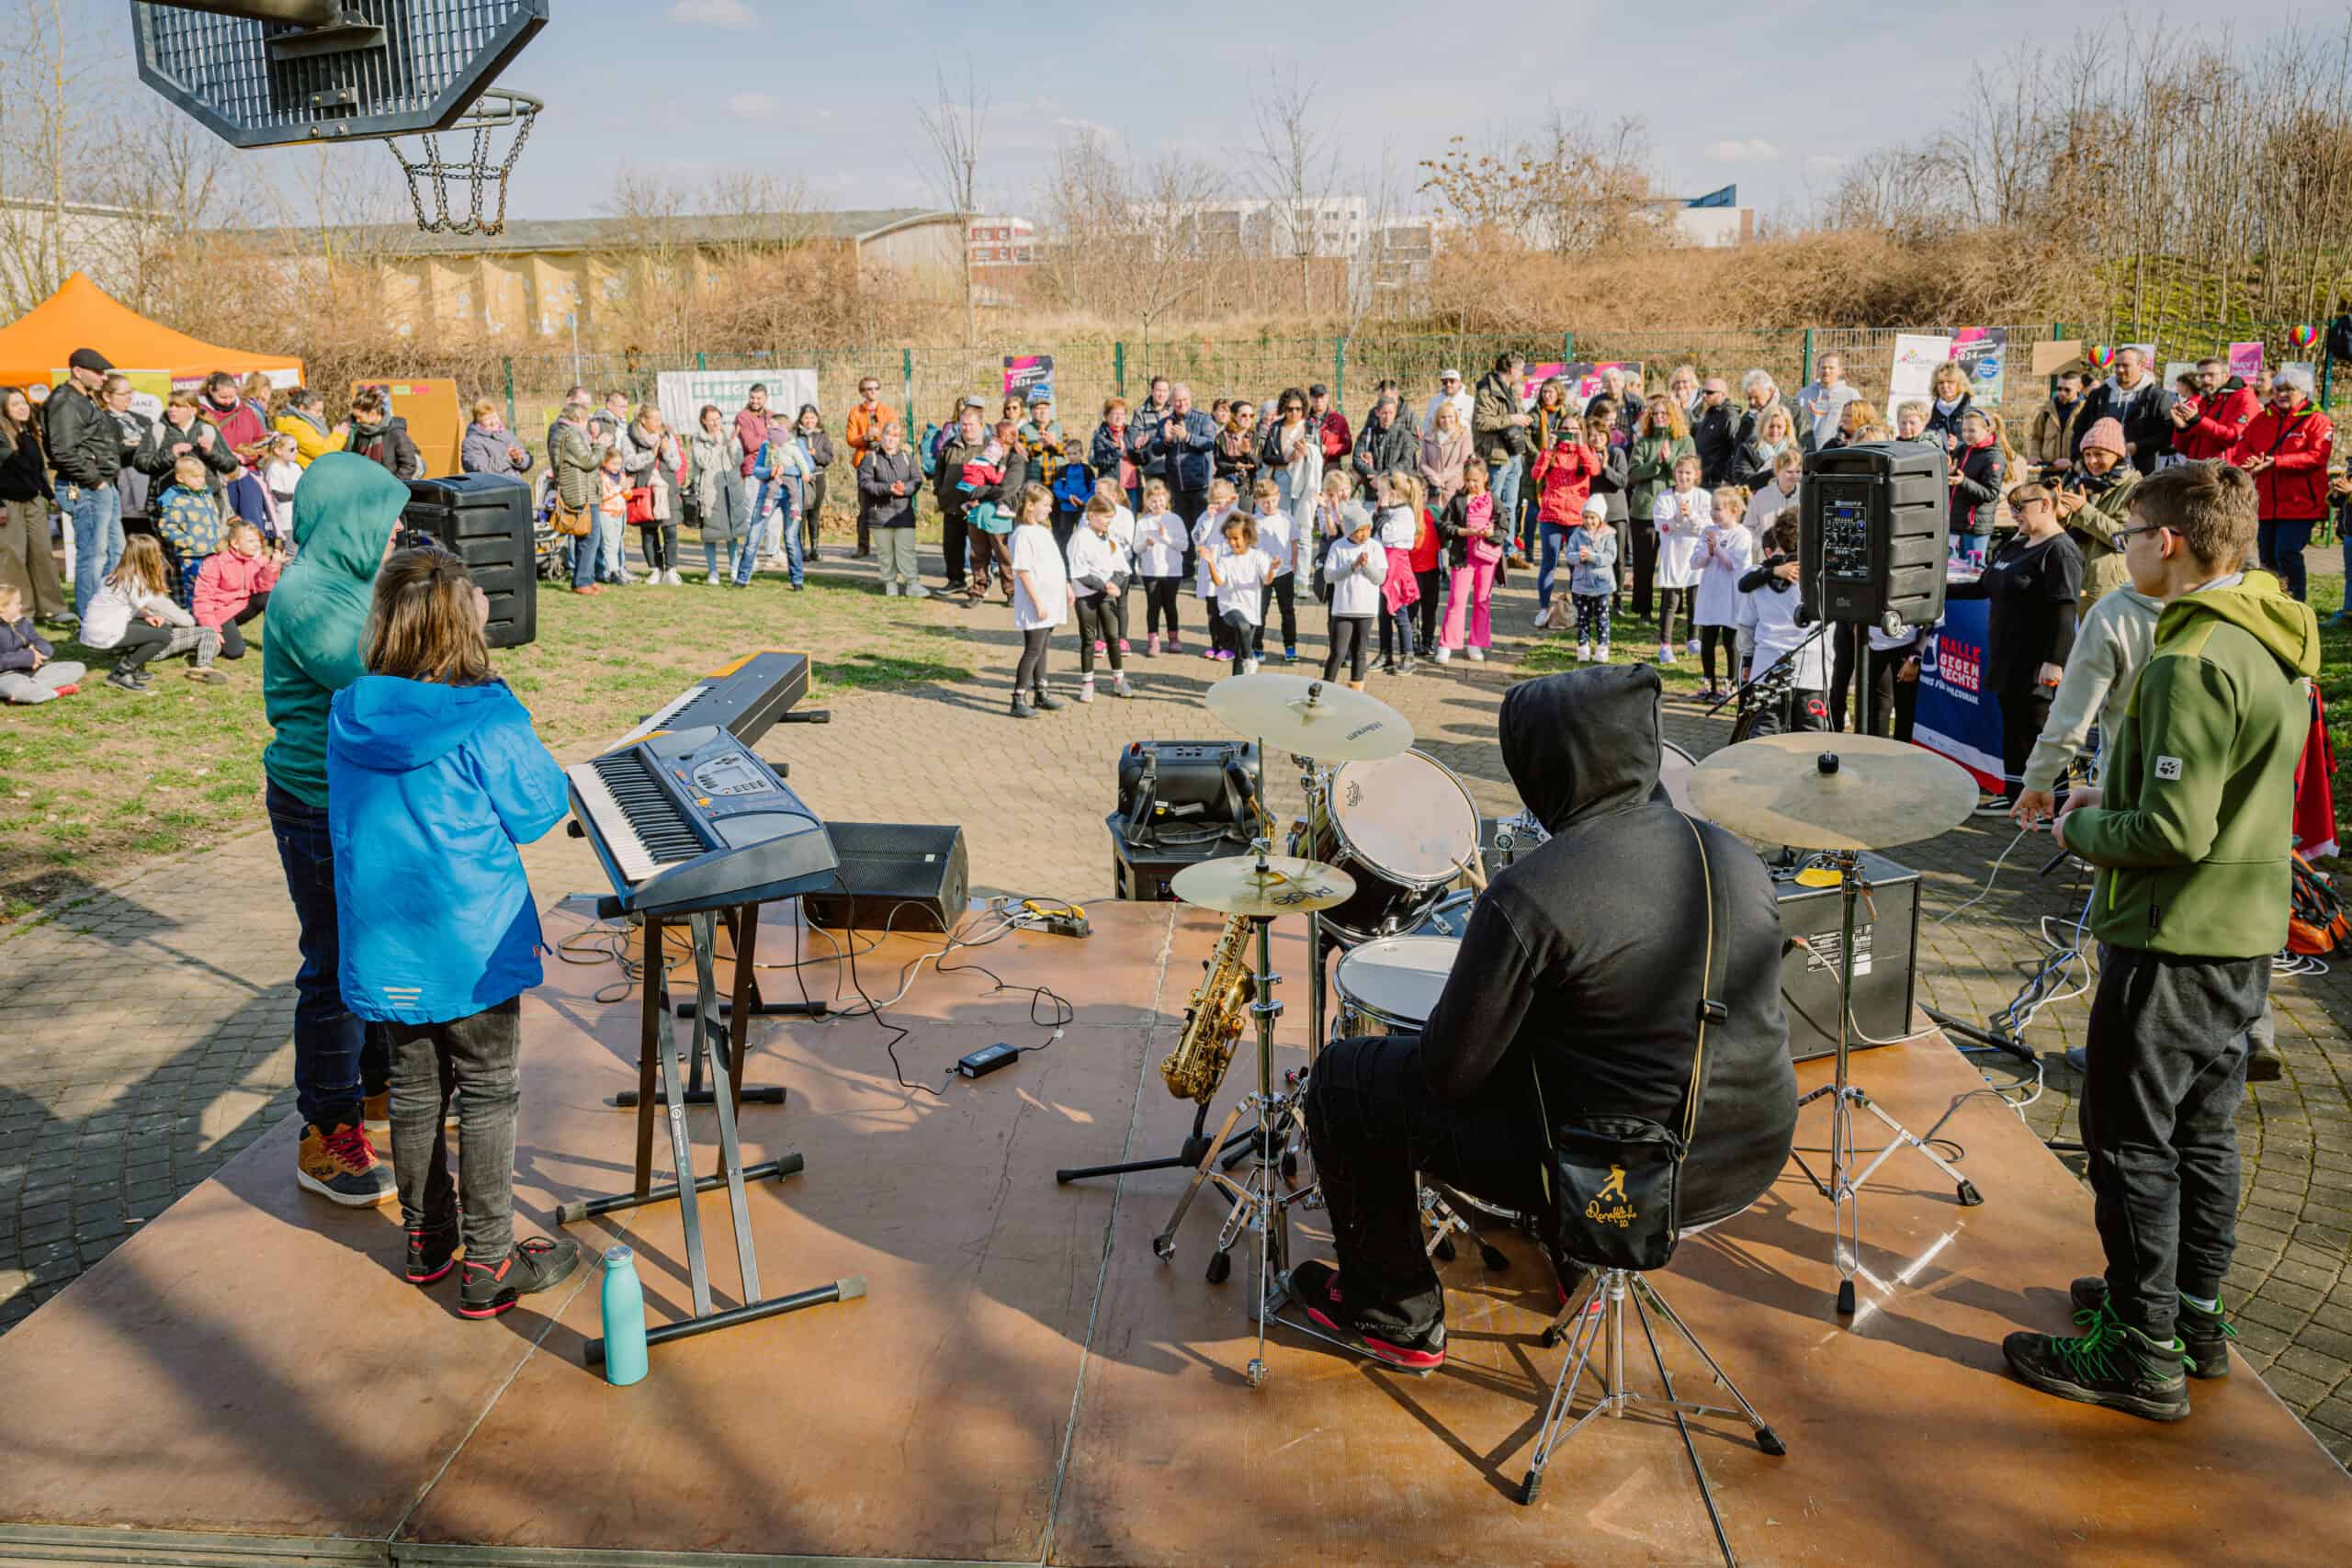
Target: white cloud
<point>1755,149</point>
<point>714,13</point>
<point>1093,131</point>
<point>753,106</point>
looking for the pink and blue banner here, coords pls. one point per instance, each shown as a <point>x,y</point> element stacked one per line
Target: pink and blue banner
<point>1029,375</point>
<point>1957,717</point>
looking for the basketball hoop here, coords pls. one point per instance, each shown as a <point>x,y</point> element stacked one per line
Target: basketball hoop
<point>496,109</point>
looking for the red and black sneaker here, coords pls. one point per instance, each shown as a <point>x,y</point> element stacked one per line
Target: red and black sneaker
<point>534,1265</point>
<point>431,1252</point>
<point>1316,1285</point>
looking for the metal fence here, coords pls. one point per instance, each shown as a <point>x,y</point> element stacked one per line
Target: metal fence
<point>926,382</point>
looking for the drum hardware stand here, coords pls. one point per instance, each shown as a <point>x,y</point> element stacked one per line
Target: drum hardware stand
<point>1843,1184</point>
<point>742,926</point>
<point>658,1049</point>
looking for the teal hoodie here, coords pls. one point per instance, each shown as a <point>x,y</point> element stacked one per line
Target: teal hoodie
<point>344,509</point>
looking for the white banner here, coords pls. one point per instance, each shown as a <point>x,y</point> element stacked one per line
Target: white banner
<point>682,393</point>
<point>1916,354</point>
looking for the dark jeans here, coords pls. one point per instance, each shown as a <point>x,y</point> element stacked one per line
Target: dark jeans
<point>1845,655</point>
<point>951,535</point>
<point>1029,674</point>
<point>2280,544</point>
<point>660,542</point>
<point>1890,702</point>
<point>1102,619</point>
<point>233,638</point>
<point>1159,599</point>
<point>2023,714</point>
<point>1284,591</point>
<point>1397,635</point>
<point>478,1055</point>
<point>1671,602</point>
<point>1425,609</point>
<point>1189,504</point>
<point>1644,567</point>
<point>1802,709</point>
<point>337,1060</point>
<point>1374,1123</point>
<point>2167,1049</point>
<point>812,515</point>
<point>1726,639</point>
<point>1350,636</point>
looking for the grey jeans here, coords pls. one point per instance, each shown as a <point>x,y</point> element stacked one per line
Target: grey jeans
<point>480,1055</point>
<point>40,686</point>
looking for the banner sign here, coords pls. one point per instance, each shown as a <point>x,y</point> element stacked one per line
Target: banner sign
<point>1957,717</point>
<point>1982,353</point>
<point>1584,379</point>
<point>1912,377</point>
<point>1533,381</point>
<point>2246,361</point>
<point>682,393</point>
<point>1029,375</point>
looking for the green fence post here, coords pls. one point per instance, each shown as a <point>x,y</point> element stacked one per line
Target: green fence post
<point>1339,372</point>
<point>1119,366</point>
<point>702,360</point>
<point>508,362</point>
<point>1806,379</point>
<point>907,383</point>
<point>1567,347</point>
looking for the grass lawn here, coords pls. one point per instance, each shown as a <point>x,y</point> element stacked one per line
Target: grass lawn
<point>100,780</point>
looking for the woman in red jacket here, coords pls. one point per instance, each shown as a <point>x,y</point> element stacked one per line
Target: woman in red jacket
<point>2286,449</point>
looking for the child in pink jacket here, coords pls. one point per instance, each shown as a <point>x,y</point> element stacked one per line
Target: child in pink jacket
<point>234,586</point>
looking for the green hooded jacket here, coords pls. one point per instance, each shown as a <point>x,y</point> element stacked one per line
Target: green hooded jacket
<point>344,513</point>
<point>2193,832</point>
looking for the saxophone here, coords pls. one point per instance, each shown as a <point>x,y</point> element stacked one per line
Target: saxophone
<point>1214,1019</point>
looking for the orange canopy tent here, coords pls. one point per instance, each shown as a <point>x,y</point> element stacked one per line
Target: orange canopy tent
<point>34,348</point>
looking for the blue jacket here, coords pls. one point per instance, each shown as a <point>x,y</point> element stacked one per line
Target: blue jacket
<point>429,789</point>
<point>1190,459</point>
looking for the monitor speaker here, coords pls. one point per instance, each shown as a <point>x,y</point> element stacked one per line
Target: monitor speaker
<point>485,521</point>
<point>895,876</point>
<point>1886,951</point>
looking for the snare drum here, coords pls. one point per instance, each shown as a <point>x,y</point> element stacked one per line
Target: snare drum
<point>1403,827</point>
<point>1390,985</point>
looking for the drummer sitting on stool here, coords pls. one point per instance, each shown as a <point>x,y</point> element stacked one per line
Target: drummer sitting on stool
<point>1561,979</point>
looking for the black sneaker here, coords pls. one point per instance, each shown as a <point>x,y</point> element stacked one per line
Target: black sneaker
<point>534,1265</point>
<point>2207,1334</point>
<point>2263,1064</point>
<point>1021,706</point>
<point>1048,701</point>
<point>1315,1287</point>
<point>431,1252</point>
<point>129,681</point>
<point>2112,1364</point>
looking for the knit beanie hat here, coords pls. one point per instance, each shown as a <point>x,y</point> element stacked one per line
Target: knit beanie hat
<point>2107,436</point>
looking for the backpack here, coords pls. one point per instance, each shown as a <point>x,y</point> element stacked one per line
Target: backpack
<point>2316,925</point>
<point>932,439</point>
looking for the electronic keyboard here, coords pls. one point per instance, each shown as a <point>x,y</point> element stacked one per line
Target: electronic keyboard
<point>745,698</point>
<point>693,819</point>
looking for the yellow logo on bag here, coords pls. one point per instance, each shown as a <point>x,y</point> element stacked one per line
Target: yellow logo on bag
<point>1624,1214</point>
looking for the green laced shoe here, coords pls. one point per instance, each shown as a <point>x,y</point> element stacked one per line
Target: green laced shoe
<point>2112,1363</point>
<point>2207,1334</point>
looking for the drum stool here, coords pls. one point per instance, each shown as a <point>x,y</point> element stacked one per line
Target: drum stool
<point>1597,1321</point>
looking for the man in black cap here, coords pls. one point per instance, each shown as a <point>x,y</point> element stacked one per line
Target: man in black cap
<point>86,449</point>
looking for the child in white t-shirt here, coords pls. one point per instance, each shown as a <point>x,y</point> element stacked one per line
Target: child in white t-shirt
<point>1278,536</point>
<point>1726,549</point>
<point>1239,572</point>
<point>1040,597</point>
<point>1355,567</point>
<point>1100,572</point>
<point>1223,501</point>
<point>1681,515</point>
<point>1160,542</point>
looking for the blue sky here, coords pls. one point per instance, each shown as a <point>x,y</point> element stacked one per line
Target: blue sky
<point>1772,94</point>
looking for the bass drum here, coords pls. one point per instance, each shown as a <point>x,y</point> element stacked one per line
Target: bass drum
<point>1403,827</point>
<point>1390,985</point>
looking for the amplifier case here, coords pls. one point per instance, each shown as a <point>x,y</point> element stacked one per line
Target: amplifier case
<point>485,521</point>
<point>1886,949</point>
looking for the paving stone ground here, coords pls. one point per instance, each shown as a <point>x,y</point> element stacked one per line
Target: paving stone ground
<point>145,1020</point>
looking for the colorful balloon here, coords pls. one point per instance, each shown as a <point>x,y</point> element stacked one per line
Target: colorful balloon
<point>2303,336</point>
<point>2102,355</point>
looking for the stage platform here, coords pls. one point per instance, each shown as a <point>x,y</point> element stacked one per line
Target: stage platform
<point>249,1380</point>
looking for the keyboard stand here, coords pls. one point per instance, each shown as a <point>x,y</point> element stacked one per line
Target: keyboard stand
<point>743,927</point>
<point>657,1050</point>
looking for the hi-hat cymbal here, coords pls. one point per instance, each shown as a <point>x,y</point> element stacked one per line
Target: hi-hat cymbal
<point>1236,886</point>
<point>1321,719</point>
<point>1831,792</point>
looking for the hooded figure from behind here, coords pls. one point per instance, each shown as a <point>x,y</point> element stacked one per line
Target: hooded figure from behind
<point>1583,961</point>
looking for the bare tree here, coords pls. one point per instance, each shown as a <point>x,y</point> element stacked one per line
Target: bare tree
<point>956,130</point>
<point>1297,171</point>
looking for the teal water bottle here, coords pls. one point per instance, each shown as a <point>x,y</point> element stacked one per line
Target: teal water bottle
<point>624,1301</point>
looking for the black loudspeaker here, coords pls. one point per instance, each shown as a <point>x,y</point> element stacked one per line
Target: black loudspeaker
<point>1886,951</point>
<point>1143,866</point>
<point>485,521</point>
<point>1874,527</point>
<point>899,876</point>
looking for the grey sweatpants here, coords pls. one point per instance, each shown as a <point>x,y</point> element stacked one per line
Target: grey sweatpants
<point>40,686</point>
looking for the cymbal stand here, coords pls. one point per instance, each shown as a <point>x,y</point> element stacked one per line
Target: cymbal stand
<point>1843,1185</point>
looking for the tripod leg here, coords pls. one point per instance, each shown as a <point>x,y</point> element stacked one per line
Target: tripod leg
<point>1164,1244</point>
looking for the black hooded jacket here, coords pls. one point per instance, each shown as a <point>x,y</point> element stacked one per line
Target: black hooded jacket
<point>1584,958</point>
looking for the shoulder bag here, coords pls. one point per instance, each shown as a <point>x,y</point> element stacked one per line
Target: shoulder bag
<point>1613,1178</point>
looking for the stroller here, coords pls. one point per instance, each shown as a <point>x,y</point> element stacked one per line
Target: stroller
<point>551,551</point>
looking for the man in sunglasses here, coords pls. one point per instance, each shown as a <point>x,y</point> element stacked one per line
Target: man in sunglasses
<point>2189,829</point>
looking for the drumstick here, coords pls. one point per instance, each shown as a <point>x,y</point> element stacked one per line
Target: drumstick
<point>1475,868</point>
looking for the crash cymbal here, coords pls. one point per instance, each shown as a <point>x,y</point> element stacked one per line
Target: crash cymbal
<point>1236,885</point>
<point>1831,792</point>
<point>1321,719</point>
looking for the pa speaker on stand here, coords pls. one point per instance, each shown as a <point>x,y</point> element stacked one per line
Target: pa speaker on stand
<point>1874,528</point>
